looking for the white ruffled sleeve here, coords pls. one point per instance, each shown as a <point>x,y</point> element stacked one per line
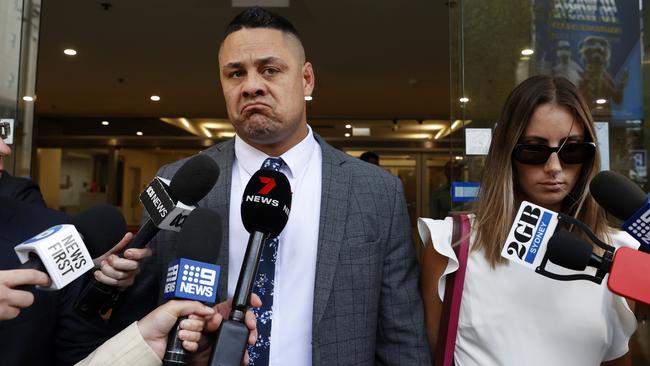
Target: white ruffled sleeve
<point>440,232</point>
<point>621,320</point>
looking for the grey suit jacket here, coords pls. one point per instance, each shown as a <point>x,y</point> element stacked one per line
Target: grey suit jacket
<point>367,306</point>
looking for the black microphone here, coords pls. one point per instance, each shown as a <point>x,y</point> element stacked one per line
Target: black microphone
<point>65,252</point>
<point>265,209</point>
<point>569,250</point>
<point>194,275</point>
<point>626,201</point>
<point>627,268</point>
<point>167,208</point>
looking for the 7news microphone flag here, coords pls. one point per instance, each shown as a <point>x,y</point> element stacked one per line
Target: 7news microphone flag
<point>265,209</point>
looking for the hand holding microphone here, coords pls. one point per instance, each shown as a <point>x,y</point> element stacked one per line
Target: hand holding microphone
<point>156,326</point>
<point>11,299</point>
<point>147,337</point>
<point>265,209</point>
<point>117,271</point>
<point>58,256</point>
<point>628,268</point>
<point>168,206</point>
<point>65,252</point>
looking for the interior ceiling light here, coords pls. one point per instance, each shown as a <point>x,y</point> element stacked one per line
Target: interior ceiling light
<point>139,133</point>
<point>155,98</point>
<point>206,132</point>
<point>464,99</point>
<point>70,52</point>
<point>226,134</point>
<point>347,134</point>
<point>601,101</point>
<point>105,123</point>
<point>185,122</point>
<point>348,126</point>
<point>439,134</point>
<point>308,98</point>
<point>28,98</point>
<point>527,52</point>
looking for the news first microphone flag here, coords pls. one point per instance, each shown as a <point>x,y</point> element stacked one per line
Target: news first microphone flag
<point>62,252</point>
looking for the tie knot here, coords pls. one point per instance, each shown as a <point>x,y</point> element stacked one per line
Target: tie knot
<point>273,164</point>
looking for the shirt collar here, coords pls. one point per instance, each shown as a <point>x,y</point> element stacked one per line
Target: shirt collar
<point>296,158</point>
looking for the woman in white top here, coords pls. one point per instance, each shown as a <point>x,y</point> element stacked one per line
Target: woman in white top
<point>542,151</point>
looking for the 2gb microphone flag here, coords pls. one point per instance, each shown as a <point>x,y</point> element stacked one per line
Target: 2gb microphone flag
<point>529,235</point>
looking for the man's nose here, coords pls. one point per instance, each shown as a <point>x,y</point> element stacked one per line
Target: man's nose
<point>254,86</point>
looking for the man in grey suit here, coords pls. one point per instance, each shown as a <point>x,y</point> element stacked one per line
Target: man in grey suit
<point>344,274</point>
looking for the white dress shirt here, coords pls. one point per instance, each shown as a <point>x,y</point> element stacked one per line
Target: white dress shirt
<point>295,268</point>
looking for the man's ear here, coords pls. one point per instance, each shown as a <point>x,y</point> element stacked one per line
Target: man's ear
<point>308,78</point>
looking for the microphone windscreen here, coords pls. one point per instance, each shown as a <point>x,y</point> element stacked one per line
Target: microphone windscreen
<point>200,237</point>
<point>194,179</point>
<point>266,202</point>
<point>568,250</point>
<point>616,194</point>
<point>101,226</point>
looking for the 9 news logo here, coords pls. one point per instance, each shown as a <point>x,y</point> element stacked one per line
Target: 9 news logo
<point>188,279</point>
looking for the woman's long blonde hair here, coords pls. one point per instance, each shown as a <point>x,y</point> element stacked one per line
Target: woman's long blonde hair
<point>495,209</point>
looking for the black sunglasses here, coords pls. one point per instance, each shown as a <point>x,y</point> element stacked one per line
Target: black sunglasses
<point>569,153</point>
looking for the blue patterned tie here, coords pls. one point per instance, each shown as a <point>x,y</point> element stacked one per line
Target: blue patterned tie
<point>263,287</point>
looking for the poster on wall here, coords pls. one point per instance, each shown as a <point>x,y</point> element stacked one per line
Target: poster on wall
<point>597,45</point>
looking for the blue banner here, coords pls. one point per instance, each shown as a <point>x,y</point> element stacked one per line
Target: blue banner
<point>597,45</point>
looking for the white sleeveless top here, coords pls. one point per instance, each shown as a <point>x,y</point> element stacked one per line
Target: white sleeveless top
<point>511,315</point>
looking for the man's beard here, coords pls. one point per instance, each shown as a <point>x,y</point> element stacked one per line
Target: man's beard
<point>259,125</point>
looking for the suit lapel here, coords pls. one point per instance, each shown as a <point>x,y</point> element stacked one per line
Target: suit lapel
<point>219,200</point>
<point>335,188</point>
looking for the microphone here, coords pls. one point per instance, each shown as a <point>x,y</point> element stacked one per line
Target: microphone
<point>168,207</point>
<point>627,267</point>
<point>626,201</point>
<point>65,251</point>
<point>193,276</point>
<point>168,203</point>
<point>265,209</point>
<point>530,236</point>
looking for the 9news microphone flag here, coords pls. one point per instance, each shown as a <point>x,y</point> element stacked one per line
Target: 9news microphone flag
<point>193,276</point>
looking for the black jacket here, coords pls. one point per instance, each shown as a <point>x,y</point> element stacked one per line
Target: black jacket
<point>22,189</point>
<point>49,332</point>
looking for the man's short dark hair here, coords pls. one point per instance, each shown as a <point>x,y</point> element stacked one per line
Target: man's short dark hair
<point>257,17</point>
<point>366,156</point>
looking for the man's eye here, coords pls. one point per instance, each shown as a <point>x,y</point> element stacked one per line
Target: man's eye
<point>270,71</point>
<point>236,74</point>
